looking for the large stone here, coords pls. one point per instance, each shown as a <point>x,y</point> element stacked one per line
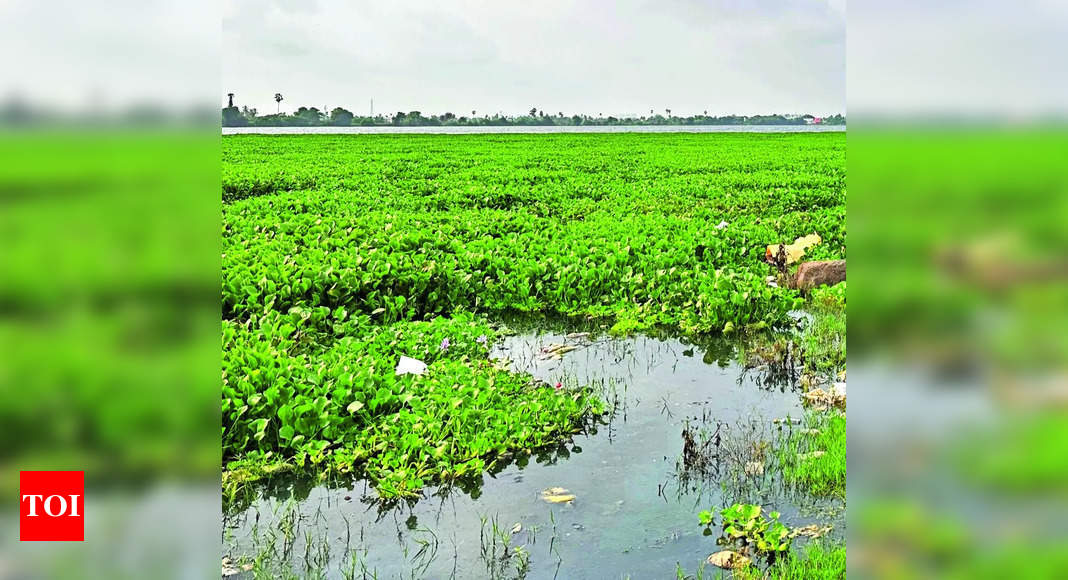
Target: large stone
<point>812,274</point>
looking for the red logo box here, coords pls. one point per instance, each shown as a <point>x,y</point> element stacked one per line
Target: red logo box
<point>52,506</point>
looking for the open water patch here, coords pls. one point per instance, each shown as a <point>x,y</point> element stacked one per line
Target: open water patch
<point>633,505</point>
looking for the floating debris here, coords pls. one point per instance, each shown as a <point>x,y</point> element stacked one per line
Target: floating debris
<point>229,569</point>
<point>557,495</point>
<point>810,531</point>
<point>794,251</point>
<point>808,381</point>
<point>556,351</point>
<point>839,389</point>
<point>822,399</point>
<point>410,366</point>
<point>577,335</point>
<point>754,468</point>
<point>518,527</point>
<point>729,560</point>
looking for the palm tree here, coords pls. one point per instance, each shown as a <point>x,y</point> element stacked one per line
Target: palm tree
<point>278,99</point>
<point>668,112</point>
<point>472,112</point>
<point>231,96</point>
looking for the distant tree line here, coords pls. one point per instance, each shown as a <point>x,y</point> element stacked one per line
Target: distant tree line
<point>340,117</point>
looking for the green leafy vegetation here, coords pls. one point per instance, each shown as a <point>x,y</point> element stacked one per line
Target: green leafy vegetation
<point>108,331</point>
<point>816,560</point>
<point>823,340</point>
<point>909,534</point>
<point>752,534</point>
<point>990,456</point>
<point>343,253</point>
<point>813,457</point>
<point>745,527</point>
<point>339,405</point>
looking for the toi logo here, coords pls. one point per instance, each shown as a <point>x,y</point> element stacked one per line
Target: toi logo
<point>52,506</point>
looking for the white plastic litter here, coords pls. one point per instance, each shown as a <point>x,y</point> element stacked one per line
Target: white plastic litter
<point>721,225</point>
<point>410,366</point>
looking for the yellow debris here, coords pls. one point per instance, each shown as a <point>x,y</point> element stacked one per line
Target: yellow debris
<point>795,250</point>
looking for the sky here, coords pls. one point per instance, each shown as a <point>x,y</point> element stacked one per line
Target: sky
<point>596,57</point>
<point>958,57</point>
<point>79,57</point>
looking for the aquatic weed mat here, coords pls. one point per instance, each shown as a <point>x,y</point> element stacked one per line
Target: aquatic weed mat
<point>343,253</point>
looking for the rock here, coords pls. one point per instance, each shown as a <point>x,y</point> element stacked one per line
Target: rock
<point>729,560</point>
<point>827,273</point>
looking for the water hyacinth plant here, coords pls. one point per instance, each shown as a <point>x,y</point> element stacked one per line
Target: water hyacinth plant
<point>343,253</point>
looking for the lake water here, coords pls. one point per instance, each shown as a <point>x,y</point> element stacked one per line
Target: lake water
<point>465,130</point>
<point>635,507</point>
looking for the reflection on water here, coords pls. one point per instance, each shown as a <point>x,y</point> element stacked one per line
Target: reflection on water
<point>635,507</point>
<point>539,129</point>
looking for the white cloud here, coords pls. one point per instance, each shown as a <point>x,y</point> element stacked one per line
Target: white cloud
<point>612,58</point>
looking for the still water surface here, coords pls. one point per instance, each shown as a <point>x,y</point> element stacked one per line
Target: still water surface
<point>632,516</point>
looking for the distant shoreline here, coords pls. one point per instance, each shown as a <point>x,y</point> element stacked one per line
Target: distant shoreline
<point>528,129</point>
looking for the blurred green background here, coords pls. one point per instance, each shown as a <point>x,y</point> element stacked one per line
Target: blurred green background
<point>958,444</point>
<point>109,329</point>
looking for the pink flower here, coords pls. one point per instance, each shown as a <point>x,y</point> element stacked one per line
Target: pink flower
<point>558,386</point>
